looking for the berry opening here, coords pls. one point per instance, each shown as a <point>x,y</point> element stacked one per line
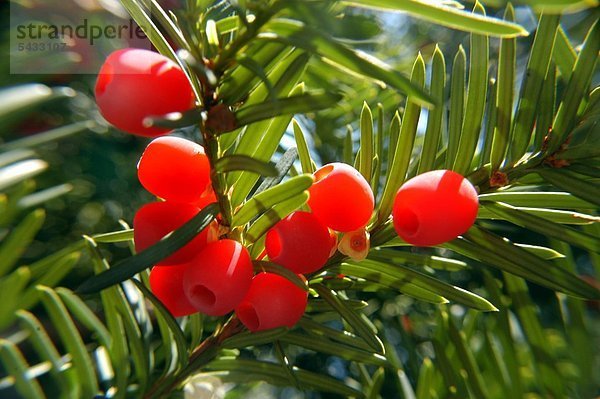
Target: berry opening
<point>358,243</point>
<point>248,316</point>
<point>323,172</point>
<point>203,296</point>
<point>408,221</point>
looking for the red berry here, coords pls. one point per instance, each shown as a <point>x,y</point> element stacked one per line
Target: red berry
<point>166,283</point>
<point>299,242</point>
<point>434,207</point>
<point>155,220</point>
<point>272,301</point>
<point>341,197</point>
<point>217,279</point>
<point>134,84</point>
<point>175,169</point>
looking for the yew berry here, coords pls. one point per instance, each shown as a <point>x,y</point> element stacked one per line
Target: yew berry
<point>134,84</point>
<point>299,242</point>
<point>175,169</point>
<point>272,301</point>
<point>217,279</point>
<point>155,220</point>
<point>166,283</point>
<point>434,207</point>
<point>341,197</point>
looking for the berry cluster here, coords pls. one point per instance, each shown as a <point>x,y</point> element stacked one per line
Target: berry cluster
<point>209,275</point>
<point>340,200</point>
<point>215,275</point>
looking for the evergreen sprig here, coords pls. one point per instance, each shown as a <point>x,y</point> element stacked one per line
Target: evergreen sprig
<point>248,65</point>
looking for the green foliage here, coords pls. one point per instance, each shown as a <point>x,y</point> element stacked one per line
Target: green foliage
<point>539,205</point>
<point>448,16</point>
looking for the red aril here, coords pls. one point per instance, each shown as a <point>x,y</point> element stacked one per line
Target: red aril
<point>166,283</point>
<point>155,220</point>
<point>134,84</point>
<point>272,301</point>
<point>341,197</point>
<point>218,277</point>
<point>176,170</point>
<point>299,242</point>
<point>434,207</point>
